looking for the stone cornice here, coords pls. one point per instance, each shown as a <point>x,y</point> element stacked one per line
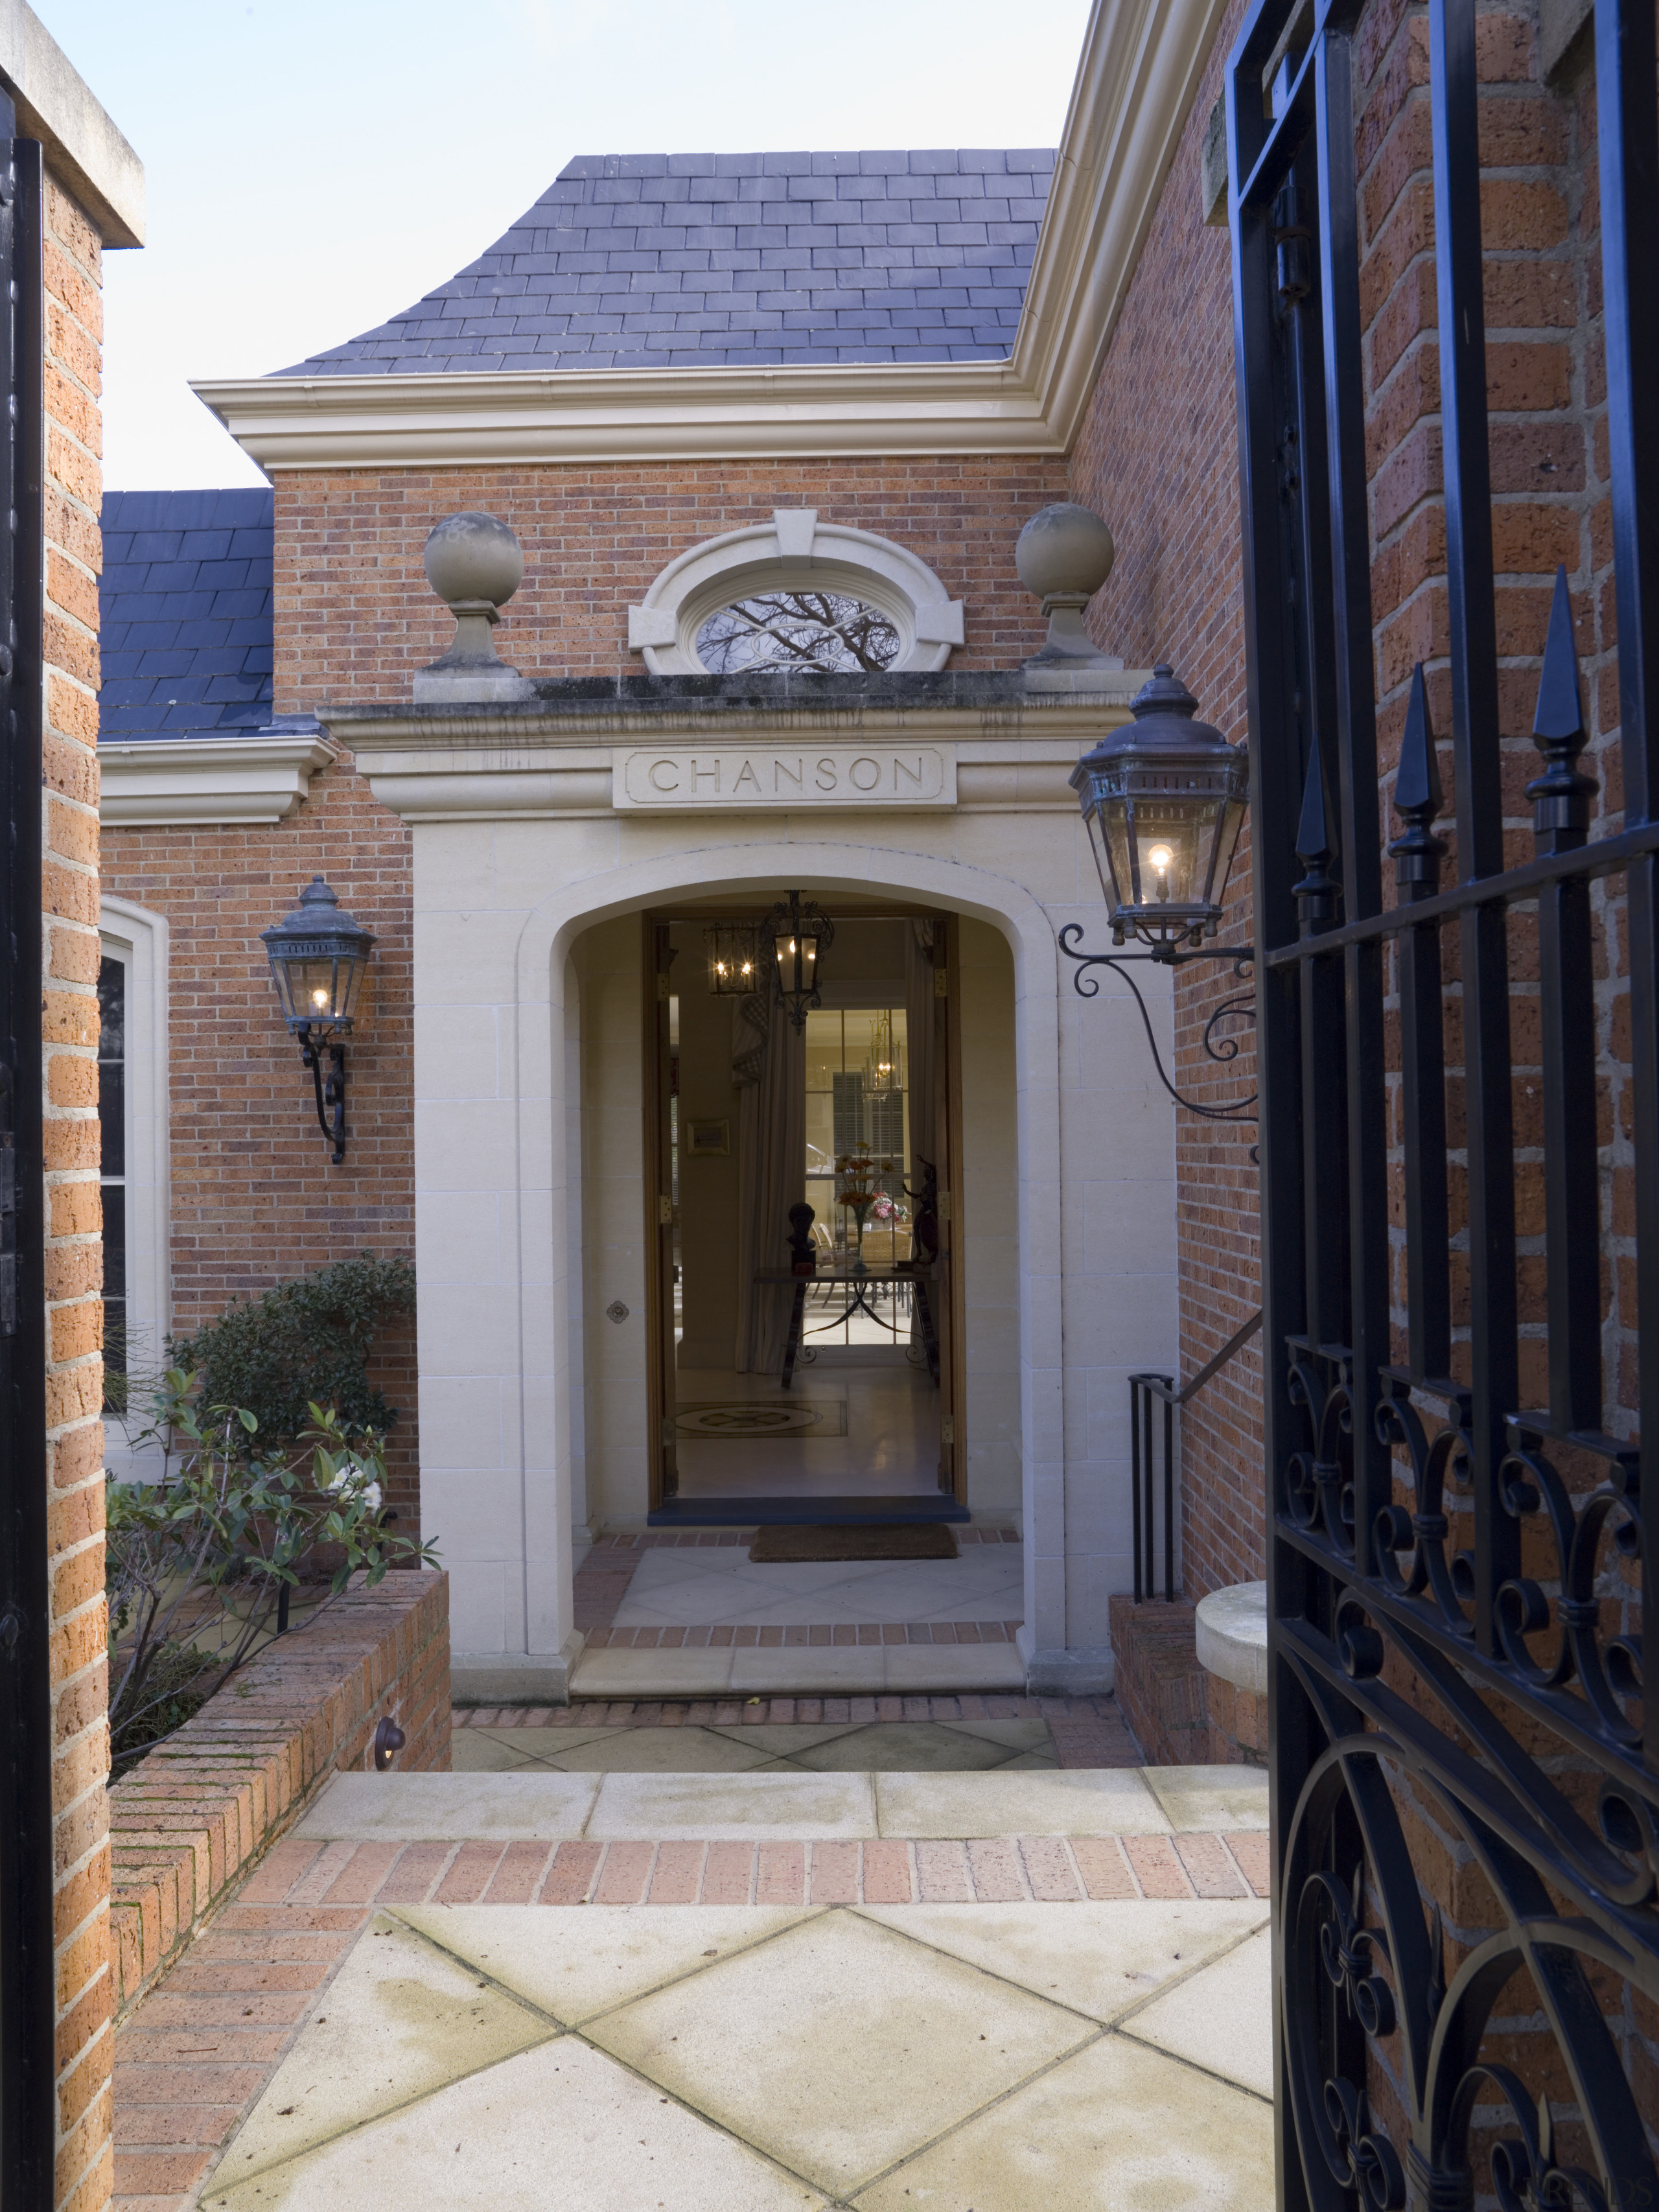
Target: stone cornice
<point>1139,67</point>
<point>999,752</point>
<point>180,781</point>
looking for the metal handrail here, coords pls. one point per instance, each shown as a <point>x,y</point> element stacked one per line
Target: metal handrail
<point>1143,1389</point>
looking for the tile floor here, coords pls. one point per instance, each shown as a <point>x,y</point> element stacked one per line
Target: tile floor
<point>1019,2058</point>
<point>698,1589</point>
<point>874,1747</point>
<point>890,1446</point>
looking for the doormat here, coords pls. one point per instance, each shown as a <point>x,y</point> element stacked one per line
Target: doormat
<point>738,1420</point>
<point>905,1539</point>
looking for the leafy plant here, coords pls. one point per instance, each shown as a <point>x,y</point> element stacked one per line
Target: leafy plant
<point>302,1345</point>
<point>202,1565</point>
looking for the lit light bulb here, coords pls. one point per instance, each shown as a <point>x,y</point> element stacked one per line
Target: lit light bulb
<point>1159,857</point>
<point>319,997</point>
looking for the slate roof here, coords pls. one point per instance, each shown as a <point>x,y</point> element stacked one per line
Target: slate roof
<point>695,260</point>
<point>186,611</point>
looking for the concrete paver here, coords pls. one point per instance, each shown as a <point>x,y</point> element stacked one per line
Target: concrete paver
<point>1211,1796</point>
<point>839,2046</point>
<point>1220,2019</point>
<point>1081,1801</point>
<point>703,2057</point>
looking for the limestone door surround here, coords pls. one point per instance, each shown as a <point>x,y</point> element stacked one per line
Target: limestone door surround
<point>533,822</point>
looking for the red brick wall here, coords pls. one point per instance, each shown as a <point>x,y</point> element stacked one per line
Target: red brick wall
<point>254,1199</point>
<point>74,1381</point>
<point>197,1813</point>
<point>1158,458</point>
<point>355,616</point>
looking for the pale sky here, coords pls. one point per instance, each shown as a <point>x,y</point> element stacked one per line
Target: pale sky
<point>315,165</point>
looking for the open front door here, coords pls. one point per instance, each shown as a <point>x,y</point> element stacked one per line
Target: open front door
<point>660,1195</point>
<point>948,1288</point>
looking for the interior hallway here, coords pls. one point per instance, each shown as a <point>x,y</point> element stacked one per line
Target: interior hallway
<point>838,1431</point>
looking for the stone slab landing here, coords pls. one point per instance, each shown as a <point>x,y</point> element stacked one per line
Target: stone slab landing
<point>749,2059</point>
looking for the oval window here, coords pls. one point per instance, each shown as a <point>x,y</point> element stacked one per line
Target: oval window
<point>823,630</point>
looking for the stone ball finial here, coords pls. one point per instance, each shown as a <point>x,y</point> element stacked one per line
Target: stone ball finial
<point>473,559</point>
<point>1064,553</point>
<point>474,564</point>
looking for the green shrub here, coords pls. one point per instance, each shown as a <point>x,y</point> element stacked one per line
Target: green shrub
<point>303,1344</point>
<point>205,1565</point>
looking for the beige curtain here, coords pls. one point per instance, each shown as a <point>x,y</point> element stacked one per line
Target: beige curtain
<point>919,1051</point>
<point>768,1066</point>
<point>918,1026</point>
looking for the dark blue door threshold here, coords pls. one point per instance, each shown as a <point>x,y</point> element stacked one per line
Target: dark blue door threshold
<point>802,1512</point>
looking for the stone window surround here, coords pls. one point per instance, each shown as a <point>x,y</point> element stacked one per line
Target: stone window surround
<point>140,938</point>
<point>794,552</point>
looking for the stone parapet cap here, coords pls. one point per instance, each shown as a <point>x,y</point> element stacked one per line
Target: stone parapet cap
<point>670,745</point>
<point>84,148</point>
<point>1232,1636</point>
<point>590,709</point>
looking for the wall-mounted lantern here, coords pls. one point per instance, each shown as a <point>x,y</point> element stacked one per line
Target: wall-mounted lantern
<point>799,934</point>
<point>318,955</point>
<point>1163,800</point>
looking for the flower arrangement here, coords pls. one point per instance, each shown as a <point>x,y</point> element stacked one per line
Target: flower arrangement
<point>858,1188</point>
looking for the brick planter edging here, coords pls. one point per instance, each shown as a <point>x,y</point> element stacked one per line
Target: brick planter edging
<point>196,1814</point>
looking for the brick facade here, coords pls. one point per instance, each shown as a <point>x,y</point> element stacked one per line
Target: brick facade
<point>254,1198</point>
<point>74,1382</point>
<point>1158,458</point>
<point>355,616</point>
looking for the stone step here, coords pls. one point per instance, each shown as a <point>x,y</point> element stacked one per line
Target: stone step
<point>551,1806</point>
<point>798,1670</point>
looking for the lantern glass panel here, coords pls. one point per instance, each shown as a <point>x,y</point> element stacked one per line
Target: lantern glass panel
<point>798,959</point>
<point>1170,835</point>
<point>1222,851</point>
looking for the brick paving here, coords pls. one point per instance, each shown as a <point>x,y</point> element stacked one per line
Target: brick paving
<point>1085,1731</point>
<point>196,2054</point>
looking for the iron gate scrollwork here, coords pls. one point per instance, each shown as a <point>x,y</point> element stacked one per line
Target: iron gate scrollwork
<point>1465,1777</point>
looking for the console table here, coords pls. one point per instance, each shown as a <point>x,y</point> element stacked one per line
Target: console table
<point>843,1279</point>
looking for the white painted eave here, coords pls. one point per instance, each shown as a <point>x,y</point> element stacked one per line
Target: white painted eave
<point>187,782</point>
<point>1139,68</point>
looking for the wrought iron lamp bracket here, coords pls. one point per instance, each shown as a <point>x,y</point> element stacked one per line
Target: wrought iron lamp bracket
<point>1241,1006</point>
<point>330,1090</point>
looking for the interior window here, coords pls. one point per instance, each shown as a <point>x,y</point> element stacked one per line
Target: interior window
<point>857,1162</point>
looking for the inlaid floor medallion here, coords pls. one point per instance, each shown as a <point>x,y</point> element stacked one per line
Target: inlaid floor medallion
<point>737,1420</point>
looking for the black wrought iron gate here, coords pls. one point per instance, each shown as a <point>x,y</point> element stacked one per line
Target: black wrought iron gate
<point>27,1998</point>
<point>1465,1780</point>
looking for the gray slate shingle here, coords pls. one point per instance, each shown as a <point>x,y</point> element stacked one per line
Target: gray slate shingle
<point>690,261</point>
<point>185,610</point>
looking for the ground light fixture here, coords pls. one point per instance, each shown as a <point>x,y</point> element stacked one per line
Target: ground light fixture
<point>799,934</point>
<point>318,955</point>
<point>1163,800</point>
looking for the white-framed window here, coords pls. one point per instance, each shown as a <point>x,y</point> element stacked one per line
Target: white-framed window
<point>795,592</point>
<point>132,1064</point>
